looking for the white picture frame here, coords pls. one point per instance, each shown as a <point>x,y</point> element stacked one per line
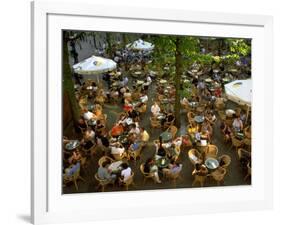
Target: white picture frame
<point>48,205</point>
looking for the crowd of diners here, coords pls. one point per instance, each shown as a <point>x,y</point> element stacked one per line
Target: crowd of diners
<point>125,140</point>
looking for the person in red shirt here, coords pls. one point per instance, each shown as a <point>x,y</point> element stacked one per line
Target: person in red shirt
<point>117,130</point>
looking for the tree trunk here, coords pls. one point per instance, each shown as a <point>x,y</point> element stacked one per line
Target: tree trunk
<point>68,85</point>
<point>178,56</point>
<point>109,47</point>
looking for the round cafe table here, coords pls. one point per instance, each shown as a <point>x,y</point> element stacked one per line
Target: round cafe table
<point>211,163</point>
<point>72,144</point>
<point>199,119</point>
<point>162,162</point>
<point>166,136</point>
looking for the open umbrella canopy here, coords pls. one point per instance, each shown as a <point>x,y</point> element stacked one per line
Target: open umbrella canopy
<point>94,65</point>
<point>140,45</point>
<point>239,91</point>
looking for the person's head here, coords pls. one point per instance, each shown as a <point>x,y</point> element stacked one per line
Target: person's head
<point>197,166</point>
<point>125,166</point>
<point>134,126</point>
<point>149,160</point>
<point>141,129</point>
<point>104,164</point>
<point>98,122</point>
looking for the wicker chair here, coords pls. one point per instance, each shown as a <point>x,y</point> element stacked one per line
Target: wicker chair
<point>211,151</point>
<point>200,178</point>
<point>190,117</point>
<point>236,143</point>
<point>173,177</point>
<point>119,157</point>
<point>226,160</point>
<point>74,178</point>
<point>146,175</point>
<point>218,175</point>
<point>154,122</point>
<point>173,129</point>
<point>135,154</point>
<point>102,183</point>
<point>103,159</point>
<point>194,156</point>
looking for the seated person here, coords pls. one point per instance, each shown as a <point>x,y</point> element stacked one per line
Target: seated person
<point>117,130</point>
<point>76,156</point>
<point>200,170</point>
<point>70,171</point>
<point>226,131</point>
<point>155,109</point>
<point>161,152</point>
<point>134,129</point>
<point>127,95</point>
<point>87,115</point>
<point>177,149</point>
<point>173,168</point>
<point>117,149</point>
<point>104,173</point>
<point>184,102</point>
<point>132,113</point>
<point>144,98</point>
<point>87,143</point>
<point>126,172</point>
<point>134,146</point>
<point>237,124</point>
<point>82,124</point>
<point>141,108</point>
<point>151,168</point>
<point>89,134</point>
<point>144,136</point>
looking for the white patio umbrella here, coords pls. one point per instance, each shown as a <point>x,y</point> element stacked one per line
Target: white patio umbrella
<point>94,65</point>
<point>240,91</point>
<point>140,45</point>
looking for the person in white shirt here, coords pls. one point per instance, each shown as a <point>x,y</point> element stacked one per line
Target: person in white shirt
<point>126,172</point>
<point>117,149</point>
<point>155,109</point>
<point>144,98</point>
<point>134,129</point>
<point>88,115</point>
<point>148,80</point>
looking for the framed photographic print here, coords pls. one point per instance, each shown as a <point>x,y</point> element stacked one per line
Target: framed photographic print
<point>171,110</point>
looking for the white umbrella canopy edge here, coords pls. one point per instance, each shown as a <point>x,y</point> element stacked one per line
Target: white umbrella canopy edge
<point>140,45</point>
<point>239,91</point>
<point>94,65</point>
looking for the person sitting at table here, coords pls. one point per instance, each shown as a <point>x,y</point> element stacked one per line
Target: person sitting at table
<point>71,170</point>
<point>82,124</point>
<point>104,173</point>
<point>127,95</point>
<point>210,117</point>
<point>151,168</point>
<point>177,147</point>
<point>206,129</point>
<point>184,102</point>
<point>161,152</point>
<point>226,131</point>
<point>144,136</point>
<point>173,168</point>
<point>141,108</point>
<point>117,149</point>
<point>87,115</point>
<point>132,113</point>
<point>89,134</point>
<point>126,172</point>
<point>144,98</point>
<point>199,170</point>
<point>237,124</point>
<point>76,156</point>
<point>99,128</point>
<point>155,109</point>
<point>134,146</point>
<point>86,143</point>
<point>117,130</point>
<point>134,129</point>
